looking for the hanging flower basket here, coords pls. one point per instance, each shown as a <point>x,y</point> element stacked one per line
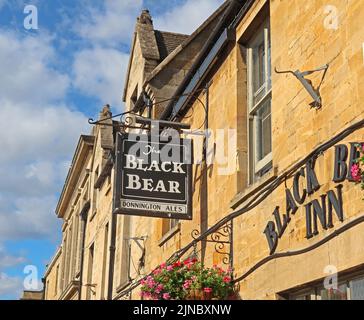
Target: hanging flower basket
<point>357,169</point>
<point>188,280</point>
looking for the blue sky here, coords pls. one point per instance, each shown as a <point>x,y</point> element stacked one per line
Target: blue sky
<point>52,80</point>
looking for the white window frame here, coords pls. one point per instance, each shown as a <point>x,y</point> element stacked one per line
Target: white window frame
<point>257,165</point>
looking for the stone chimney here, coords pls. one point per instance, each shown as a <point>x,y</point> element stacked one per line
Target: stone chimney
<point>105,112</point>
<point>145,18</point>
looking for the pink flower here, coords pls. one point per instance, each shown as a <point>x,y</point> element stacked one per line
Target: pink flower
<point>160,287</point>
<point>143,282</point>
<point>187,261</point>
<point>355,172</point>
<point>157,271</point>
<point>227,279</point>
<point>166,296</point>
<point>207,290</point>
<point>150,282</point>
<point>187,284</point>
<point>163,265</point>
<point>169,268</point>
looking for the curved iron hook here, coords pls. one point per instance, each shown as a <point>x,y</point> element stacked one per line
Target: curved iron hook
<point>92,121</point>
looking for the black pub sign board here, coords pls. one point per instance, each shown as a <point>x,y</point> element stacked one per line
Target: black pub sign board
<point>153,177</point>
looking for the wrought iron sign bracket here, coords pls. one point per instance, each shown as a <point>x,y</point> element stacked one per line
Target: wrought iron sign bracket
<point>307,84</point>
<point>221,238</point>
<point>126,120</point>
<point>129,120</point>
<point>162,123</point>
<point>140,242</point>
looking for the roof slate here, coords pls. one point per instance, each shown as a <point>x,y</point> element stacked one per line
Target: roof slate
<point>168,41</point>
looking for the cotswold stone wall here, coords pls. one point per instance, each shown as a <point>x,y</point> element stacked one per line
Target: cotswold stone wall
<point>303,36</point>
<point>315,34</point>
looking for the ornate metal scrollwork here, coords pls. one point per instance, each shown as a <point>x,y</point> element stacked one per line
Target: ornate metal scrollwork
<point>221,238</point>
<point>127,121</point>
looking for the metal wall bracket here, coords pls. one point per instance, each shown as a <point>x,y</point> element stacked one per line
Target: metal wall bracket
<point>314,92</point>
<point>220,238</point>
<point>140,242</point>
<point>131,120</point>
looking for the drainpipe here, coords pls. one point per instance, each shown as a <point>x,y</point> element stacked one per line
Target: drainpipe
<point>83,215</point>
<point>112,237</point>
<point>204,203</point>
<point>112,256</point>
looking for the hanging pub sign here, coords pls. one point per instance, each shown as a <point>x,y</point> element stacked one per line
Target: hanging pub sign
<point>153,178</point>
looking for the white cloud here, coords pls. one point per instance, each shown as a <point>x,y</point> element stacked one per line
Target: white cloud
<point>111,24</point>
<point>100,73</point>
<point>37,144</point>
<point>8,260</point>
<point>2,3</point>
<point>99,69</point>
<point>39,135</point>
<point>187,17</point>
<point>32,133</point>
<point>26,75</point>
<point>30,218</point>
<point>10,286</point>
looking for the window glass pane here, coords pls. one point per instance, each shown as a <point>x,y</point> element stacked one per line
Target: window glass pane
<point>259,84</point>
<point>357,289</point>
<point>251,149</point>
<point>264,128</point>
<point>308,295</point>
<point>269,62</point>
<point>258,70</point>
<point>333,294</point>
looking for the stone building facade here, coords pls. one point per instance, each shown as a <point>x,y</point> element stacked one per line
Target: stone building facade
<point>279,158</point>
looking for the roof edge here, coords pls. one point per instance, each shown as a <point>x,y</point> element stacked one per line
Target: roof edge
<point>185,43</point>
<point>127,77</point>
<point>53,261</point>
<point>205,51</point>
<point>84,141</point>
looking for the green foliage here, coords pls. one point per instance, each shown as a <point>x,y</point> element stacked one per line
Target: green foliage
<point>357,169</point>
<point>179,280</point>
